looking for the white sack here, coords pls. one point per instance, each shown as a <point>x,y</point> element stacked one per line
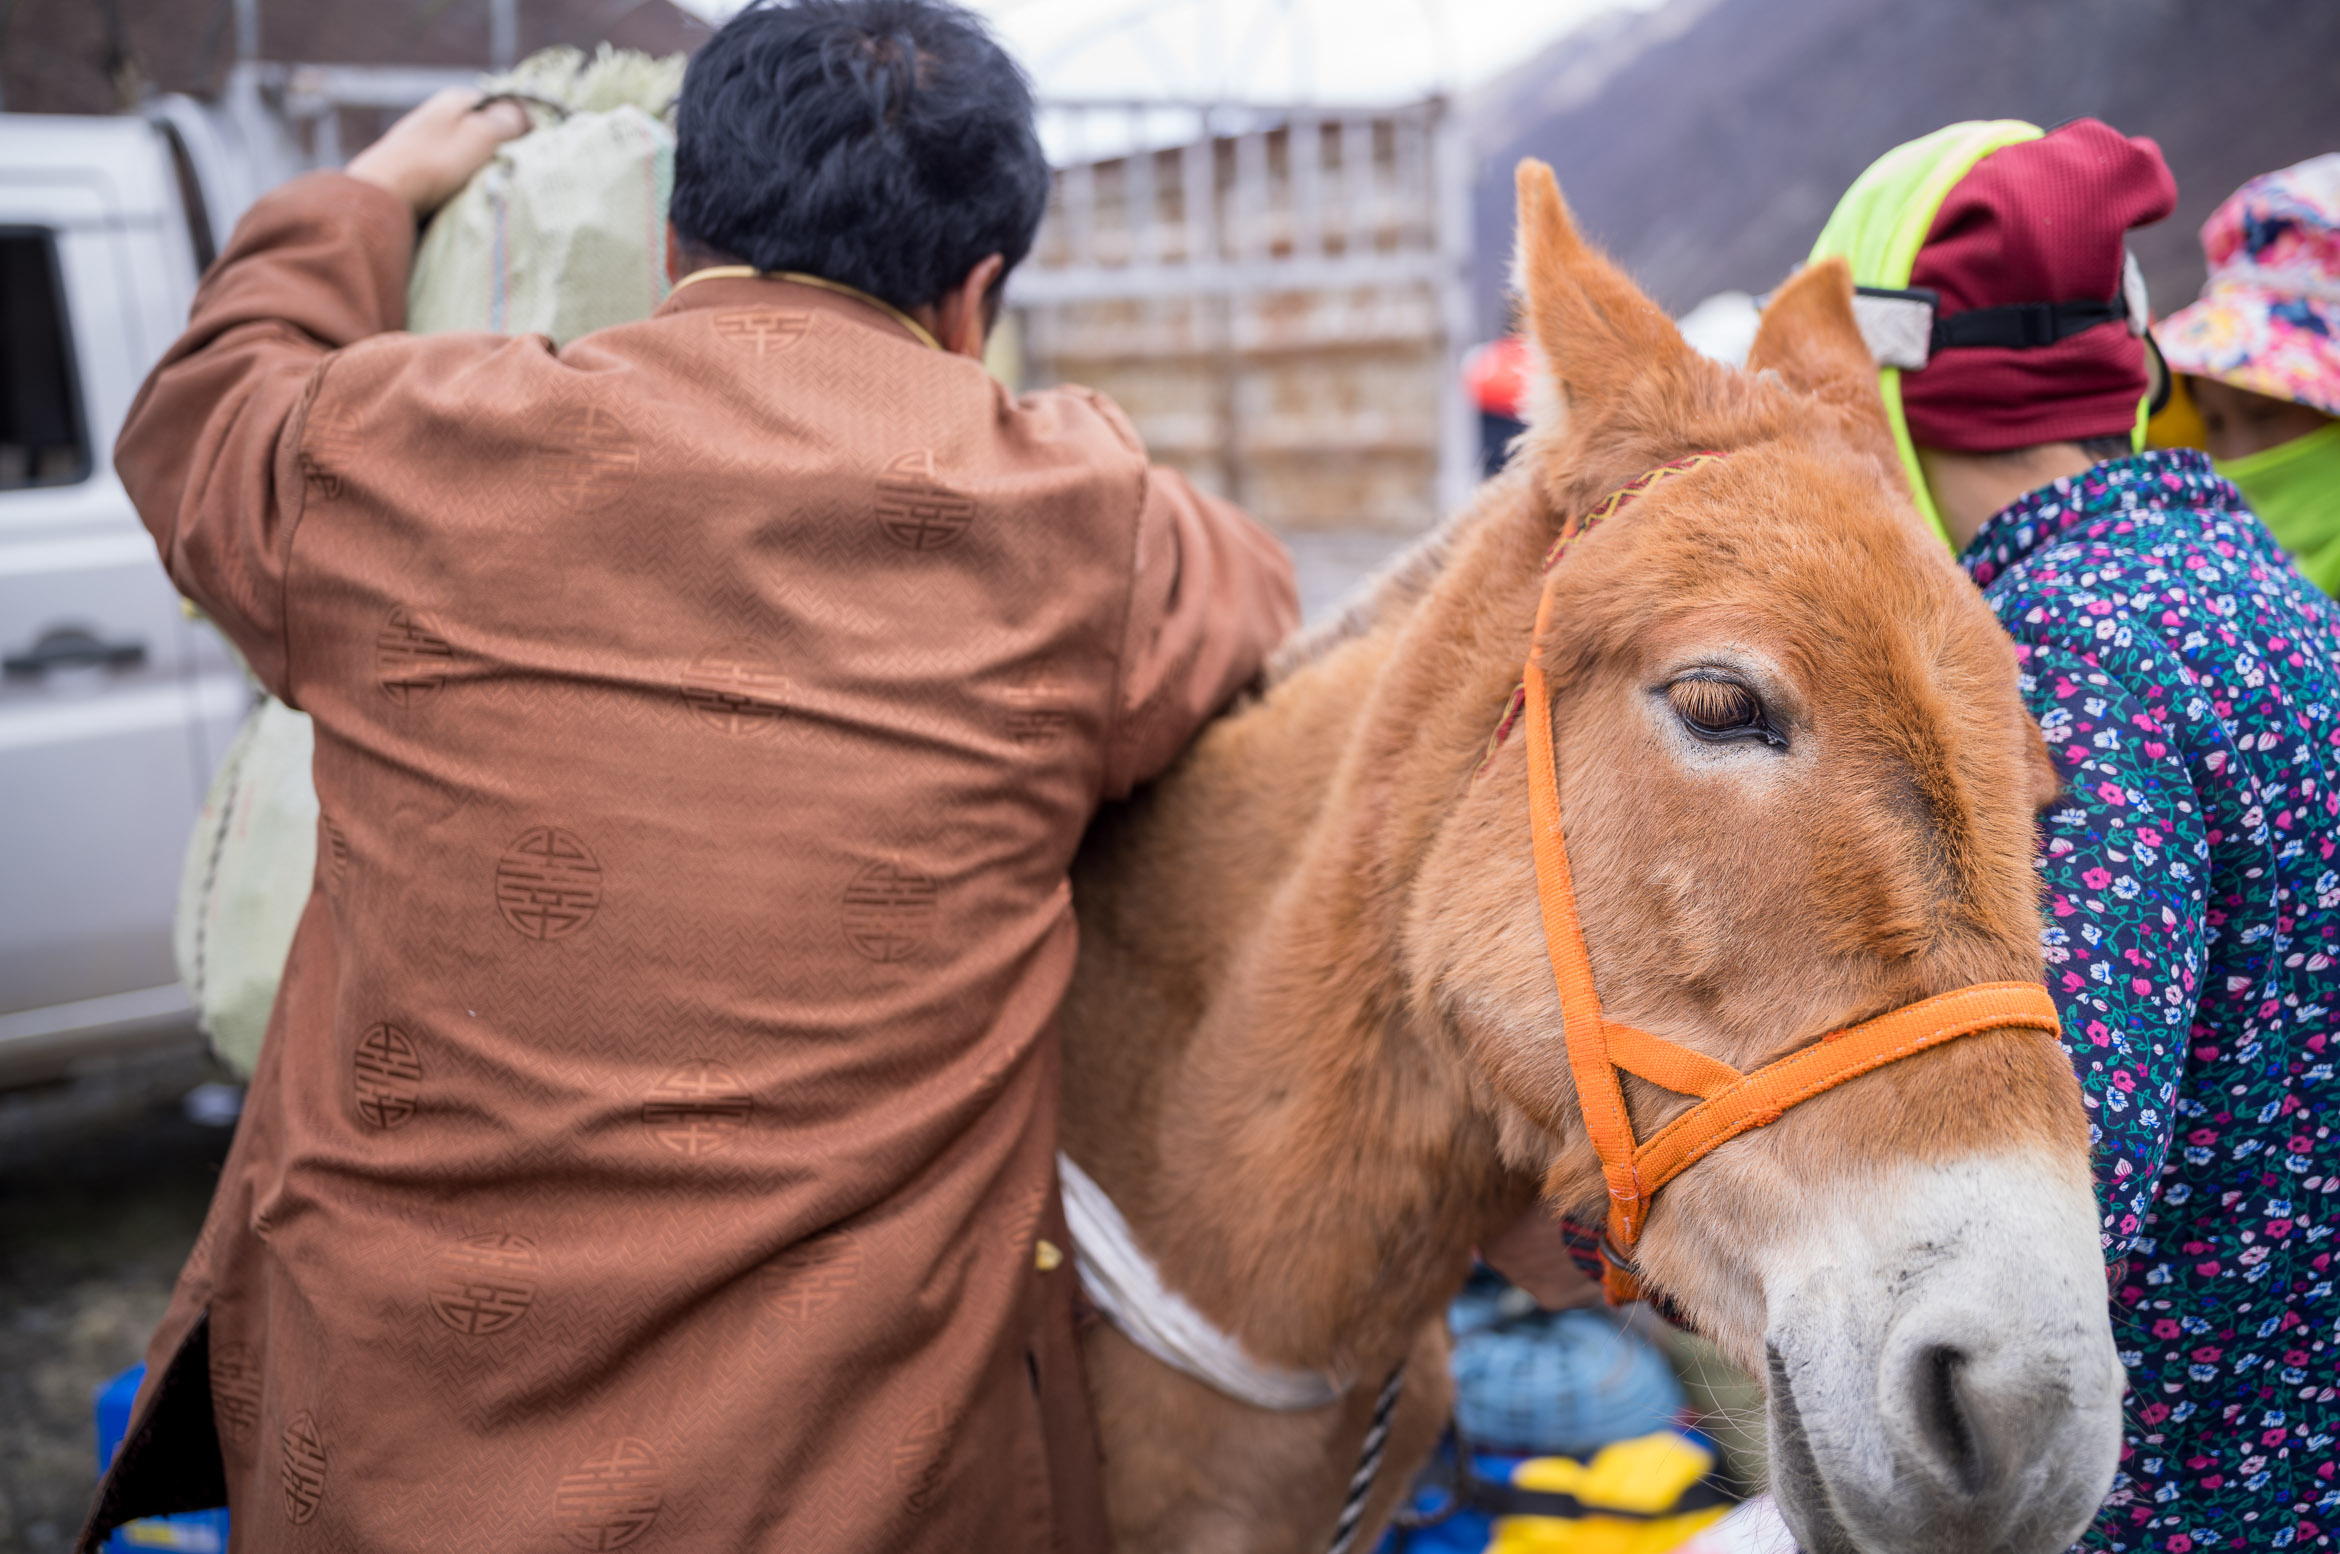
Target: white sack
<point>246,879</point>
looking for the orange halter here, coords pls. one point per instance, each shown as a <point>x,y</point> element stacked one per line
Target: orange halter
<point>1729,1102</point>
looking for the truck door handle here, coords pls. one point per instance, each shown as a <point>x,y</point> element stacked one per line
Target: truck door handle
<point>67,647</point>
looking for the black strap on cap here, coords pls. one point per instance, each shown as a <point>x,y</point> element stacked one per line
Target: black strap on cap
<point>2022,326</point>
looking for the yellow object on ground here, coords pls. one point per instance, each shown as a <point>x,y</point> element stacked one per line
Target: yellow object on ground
<point>1644,1476</point>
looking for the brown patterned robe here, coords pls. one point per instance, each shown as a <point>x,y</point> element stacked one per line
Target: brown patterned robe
<point>654,1137</point>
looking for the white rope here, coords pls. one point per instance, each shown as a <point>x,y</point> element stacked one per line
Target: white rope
<point>1368,1463</point>
<point>1124,1284</point>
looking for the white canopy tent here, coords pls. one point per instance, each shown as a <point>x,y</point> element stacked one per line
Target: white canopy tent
<point>1355,53</point>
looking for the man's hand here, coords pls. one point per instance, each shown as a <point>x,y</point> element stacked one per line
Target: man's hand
<point>429,155</point>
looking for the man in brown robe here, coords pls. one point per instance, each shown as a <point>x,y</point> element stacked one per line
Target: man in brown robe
<point>653,1145</point>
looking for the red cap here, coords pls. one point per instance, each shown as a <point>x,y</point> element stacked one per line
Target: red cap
<point>1495,375</point>
<point>2041,221</point>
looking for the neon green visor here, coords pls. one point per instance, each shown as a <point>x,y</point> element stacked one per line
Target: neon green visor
<point>1882,222</point>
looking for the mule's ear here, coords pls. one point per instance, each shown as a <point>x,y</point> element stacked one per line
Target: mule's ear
<point>1593,329</point>
<point>1810,337</point>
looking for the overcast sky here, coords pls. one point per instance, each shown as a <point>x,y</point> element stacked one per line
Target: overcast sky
<point>1315,51</point>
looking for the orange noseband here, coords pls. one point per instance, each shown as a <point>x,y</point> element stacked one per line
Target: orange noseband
<point>1729,1102</point>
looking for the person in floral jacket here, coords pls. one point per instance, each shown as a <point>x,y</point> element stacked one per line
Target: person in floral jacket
<point>2187,678</point>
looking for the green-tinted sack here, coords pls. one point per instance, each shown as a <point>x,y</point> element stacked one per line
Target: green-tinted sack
<point>565,231</point>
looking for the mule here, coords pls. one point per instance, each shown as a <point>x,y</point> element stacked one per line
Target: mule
<point>1313,1049</point>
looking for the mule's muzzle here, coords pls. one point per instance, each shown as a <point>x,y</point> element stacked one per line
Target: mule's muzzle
<point>1984,1465</point>
<point>1954,1395</point>
<point>1980,1441</point>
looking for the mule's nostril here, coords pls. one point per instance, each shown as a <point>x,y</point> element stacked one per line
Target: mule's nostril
<point>1946,1419</point>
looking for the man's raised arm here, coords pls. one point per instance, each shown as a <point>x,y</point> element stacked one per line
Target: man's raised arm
<point>1213,595</point>
<point>210,452</point>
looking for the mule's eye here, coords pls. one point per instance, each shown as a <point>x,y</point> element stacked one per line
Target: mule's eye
<point>1716,708</point>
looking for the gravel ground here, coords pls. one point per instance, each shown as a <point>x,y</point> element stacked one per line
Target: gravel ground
<point>92,1231</point>
<point>99,1210</point>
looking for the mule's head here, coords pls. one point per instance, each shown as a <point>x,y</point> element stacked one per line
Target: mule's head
<point>1798,785</point>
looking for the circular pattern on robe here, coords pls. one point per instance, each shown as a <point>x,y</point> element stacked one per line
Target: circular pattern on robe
<point>301,1458</point>
<point>386,1074</point>
<point>587,457</point>
<point>612,1497</point>
<point>915,509</point>
<point>811,1276</point>
<point>235,1390</point>
<point>411,659</point>
<point>484,1284</point>
<point>548,883</point>
<point>888,911</point>
<point>732,689</point>
<point>696,1109</point>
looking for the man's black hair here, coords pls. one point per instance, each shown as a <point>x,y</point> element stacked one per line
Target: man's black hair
<point>884,144</point>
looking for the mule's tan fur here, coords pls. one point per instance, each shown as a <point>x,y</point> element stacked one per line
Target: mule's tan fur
<point>1313,1048</point>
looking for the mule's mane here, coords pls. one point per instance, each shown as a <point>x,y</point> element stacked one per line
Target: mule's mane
<point>1394,590</point>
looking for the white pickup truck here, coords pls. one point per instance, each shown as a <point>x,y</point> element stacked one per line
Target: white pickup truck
<point>115,704</point>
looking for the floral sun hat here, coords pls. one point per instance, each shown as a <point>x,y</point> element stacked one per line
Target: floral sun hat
<point>2269,320</point>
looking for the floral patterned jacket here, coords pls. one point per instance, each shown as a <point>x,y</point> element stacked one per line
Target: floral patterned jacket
<point>2188,681</point>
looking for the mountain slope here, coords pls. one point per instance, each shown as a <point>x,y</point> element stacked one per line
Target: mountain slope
<point>1705,142</point>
